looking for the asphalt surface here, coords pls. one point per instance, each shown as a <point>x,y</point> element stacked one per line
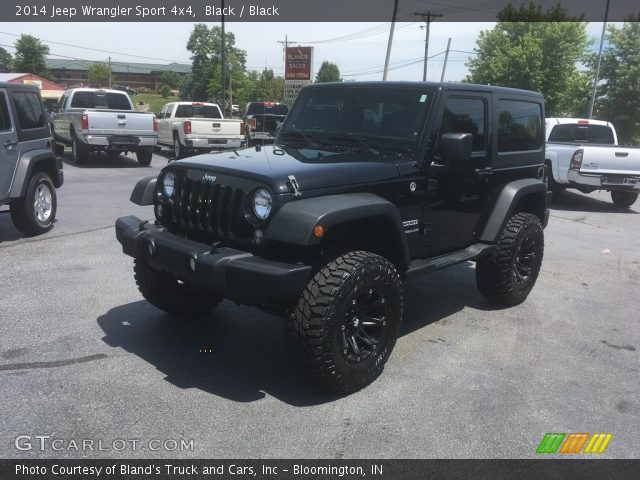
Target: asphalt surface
<point>84,357</point>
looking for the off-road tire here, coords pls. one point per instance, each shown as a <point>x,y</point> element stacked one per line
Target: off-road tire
<point>168,293</point>
<point>507,275</point>
<point>144,157</point>
<point>317,329</point>
<point>24,211</point>
<point>622,199</point>
<point>79,151</point>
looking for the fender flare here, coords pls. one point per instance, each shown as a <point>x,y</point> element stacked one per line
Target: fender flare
<point>26,165</point>
<point>144,191</point>
<point>504,207</point>
<point>330,211</point>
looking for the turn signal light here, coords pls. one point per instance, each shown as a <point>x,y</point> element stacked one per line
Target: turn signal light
<point>318,231</point>
<point>186,127</point>
<point>84,122</point>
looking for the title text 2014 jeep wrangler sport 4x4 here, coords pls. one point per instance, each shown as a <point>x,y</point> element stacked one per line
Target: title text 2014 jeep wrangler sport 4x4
<point>29,169</point>
<point>368,184</point>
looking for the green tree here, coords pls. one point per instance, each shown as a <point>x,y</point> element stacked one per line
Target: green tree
<point>205,45</point>
<point>5,61</point>
<point>619,93</point>
<point>329,72</point>
<point>534,50</point>
<point>99,74</point>
<point>164,90</point>
<point>30,55</point>
<point>172,79</point>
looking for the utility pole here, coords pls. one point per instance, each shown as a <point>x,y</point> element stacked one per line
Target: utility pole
<point>222,60</point>
<point>109,72</point>
<point>597,77</point>
<point>393,26</point>
<point>427,17</point>
<point>446,57</point>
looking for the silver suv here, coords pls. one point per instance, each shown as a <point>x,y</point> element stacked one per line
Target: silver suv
<point>29,169</point>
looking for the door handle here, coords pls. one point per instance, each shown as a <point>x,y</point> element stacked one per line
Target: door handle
<point>10,144</point>
<point>437,168</point>
<point>483,172</point>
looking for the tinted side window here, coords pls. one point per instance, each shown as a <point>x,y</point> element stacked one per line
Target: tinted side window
<point>29,110</point>
<point>466,115</point>
<point>519,126</point>
<point>5,119</point>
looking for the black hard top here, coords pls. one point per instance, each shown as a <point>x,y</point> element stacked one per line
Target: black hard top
<point>433,85</point>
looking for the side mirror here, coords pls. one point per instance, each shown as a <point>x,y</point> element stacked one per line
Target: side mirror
<point>456,147</point>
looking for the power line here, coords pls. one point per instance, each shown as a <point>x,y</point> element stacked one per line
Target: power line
<point>99,50</point>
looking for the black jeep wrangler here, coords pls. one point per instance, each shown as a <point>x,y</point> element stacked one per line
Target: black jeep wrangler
<point>29,169</point>
<point>366,186</point>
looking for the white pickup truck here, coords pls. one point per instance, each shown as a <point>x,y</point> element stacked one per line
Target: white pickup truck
<point>93,119</point>
<point>197,127</point>
<point>585,155</point>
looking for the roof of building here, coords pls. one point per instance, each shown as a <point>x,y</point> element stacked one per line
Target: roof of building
<point>7,77</point>
<point>118,66</point>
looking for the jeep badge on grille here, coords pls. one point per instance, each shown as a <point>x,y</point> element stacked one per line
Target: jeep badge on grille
<point>209,178</point>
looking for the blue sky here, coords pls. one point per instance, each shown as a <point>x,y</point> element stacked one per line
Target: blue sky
<point>357,48</point>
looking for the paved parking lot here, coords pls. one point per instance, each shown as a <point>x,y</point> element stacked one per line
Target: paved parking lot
<point>82,356</point>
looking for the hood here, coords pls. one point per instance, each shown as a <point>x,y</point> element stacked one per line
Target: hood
<point>313,168</point>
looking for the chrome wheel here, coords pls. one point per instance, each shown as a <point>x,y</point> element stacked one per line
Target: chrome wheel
<point>42,204</point>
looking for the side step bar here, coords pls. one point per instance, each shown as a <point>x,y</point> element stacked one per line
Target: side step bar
<point>473,252</point>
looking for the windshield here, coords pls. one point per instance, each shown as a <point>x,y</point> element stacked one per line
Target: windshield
<point>362,117</point>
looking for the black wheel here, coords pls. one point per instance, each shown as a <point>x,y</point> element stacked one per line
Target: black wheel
<point>345,325</point>
<point>168,293</point>
<point>179,150</point>
<point>144,157</point>
<point>507,276</point>
<point>79,151</point>
<point>623,199</point>
<point>552,185</point>
<point>35,213</point>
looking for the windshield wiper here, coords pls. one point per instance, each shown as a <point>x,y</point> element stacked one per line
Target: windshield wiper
<point>302,135</point>
<point>351,140</point>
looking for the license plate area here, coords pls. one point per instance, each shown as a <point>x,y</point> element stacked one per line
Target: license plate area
<point>118,140</point>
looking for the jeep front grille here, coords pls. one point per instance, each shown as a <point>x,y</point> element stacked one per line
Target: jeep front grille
<point>209,209</point>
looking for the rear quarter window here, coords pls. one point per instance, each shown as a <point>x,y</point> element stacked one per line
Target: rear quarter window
<point>29,110</point>
<point>519,126</point>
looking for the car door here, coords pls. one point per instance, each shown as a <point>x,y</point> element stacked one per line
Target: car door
<point>456,192</point>
<point>162,125</point>
<point>9,146</point>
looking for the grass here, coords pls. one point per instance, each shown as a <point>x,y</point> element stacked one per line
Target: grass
<point>155,101</point>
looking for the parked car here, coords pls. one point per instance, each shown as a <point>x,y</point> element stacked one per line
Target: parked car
<point>367,185</point>
<point>29,169</point>
<point>124,88</point>
<point>262,120</point>
<point>91,119</point>
<point>585,155</point>
<point>197,127</point>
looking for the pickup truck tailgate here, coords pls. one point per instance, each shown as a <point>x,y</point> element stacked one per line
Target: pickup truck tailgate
<point>113,122</point>
<point>610,160</point>
<point>215,126</point>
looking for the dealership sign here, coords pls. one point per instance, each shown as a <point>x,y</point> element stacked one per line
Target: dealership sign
<point>298,63</point>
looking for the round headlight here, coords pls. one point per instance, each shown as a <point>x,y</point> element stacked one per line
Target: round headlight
<point>262,201</point>
<point>168,184</point>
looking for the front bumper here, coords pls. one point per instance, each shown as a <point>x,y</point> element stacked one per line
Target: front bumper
<point>604,181</point>
<point>232,273</point>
